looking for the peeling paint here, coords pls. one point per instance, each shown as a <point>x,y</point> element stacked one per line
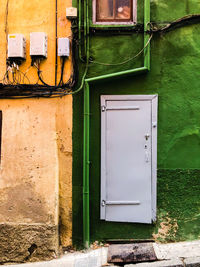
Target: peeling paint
<point>167,229</point>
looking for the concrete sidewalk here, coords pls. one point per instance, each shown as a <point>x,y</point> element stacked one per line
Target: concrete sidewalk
<point>174,255</point>
<point>168,255</point>
<point>89,258</point>
<point>188,262</point>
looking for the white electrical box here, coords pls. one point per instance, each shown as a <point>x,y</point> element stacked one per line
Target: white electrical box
<point>63,47</point>
<point>71,12</point>
<point>16,46</point>
<point>38,44</point>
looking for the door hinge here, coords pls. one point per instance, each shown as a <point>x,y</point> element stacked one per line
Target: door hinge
<point>103,203</point>
<point>154,124</point>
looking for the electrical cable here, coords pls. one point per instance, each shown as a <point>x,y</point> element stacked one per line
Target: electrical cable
<point>74,76</point>
<point>39,90</point>
<point>20,91</point>
<point>183,21</point>
<point>41,79</point>
<point>125,61</point>
<point>11,87</point>
<point>82,83</point>
<point>62,71</point>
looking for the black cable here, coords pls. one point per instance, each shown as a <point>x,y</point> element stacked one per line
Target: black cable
<point>15,90</point>
<point>184,21</point>
<point>75,55</point>
<point>74,77</point>
<point>62,70</point>
<point>40,78</point>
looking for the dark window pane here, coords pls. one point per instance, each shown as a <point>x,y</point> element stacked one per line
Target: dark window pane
<point>104,9</point>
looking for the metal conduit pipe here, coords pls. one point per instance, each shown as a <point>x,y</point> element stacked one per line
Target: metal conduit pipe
<point>74,3</point>
<point>85,26</point>
<point>86,141</point>
<point>146,35</point>
<point>86,166</point>
<point>79,27</point>
<point>86,129</point>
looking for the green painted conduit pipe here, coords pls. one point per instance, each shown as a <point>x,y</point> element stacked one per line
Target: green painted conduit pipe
<point>85,26</point>
<point>86,166</point>
<point>79,27</point>
<point>86,140</point>
<point>74,3</point>
<point>146,35</point>
<point>86,128</point>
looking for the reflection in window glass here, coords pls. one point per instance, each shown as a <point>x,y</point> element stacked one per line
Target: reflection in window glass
<point>122,9</point>
<point>105,9</point>
<point>113,10</point>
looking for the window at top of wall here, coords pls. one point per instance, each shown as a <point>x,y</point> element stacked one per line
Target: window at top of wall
<point>114,11</point>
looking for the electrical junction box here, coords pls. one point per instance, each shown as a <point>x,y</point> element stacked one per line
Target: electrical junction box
<point>38,44</point>
<point>63,47</point>
<point>71,12</point>
<point>16,46</point>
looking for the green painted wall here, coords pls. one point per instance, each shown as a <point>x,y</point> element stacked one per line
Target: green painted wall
<point>175,77</point>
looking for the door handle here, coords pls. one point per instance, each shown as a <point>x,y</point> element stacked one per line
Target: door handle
<point>147,136</point>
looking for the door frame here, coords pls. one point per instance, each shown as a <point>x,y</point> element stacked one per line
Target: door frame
<point>154,108</point>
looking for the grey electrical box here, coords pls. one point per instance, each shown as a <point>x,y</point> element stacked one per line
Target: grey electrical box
<point>16,46</point>
<point>38,44</point>
<point>63,47</point>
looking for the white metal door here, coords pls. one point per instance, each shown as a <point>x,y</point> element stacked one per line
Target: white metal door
<point>128,158</point>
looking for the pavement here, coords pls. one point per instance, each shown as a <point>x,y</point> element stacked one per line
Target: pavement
<point>179,254</point>
<point>189,262</point>
<point>89,258</point>
<point>182,254</point>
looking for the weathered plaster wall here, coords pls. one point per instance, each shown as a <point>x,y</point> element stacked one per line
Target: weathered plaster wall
<point>26,169</point>
<point>64,143</point>
<point>174,76</point>
<point>35,174</point>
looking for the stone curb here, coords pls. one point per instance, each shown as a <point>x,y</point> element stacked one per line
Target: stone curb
<point>188,262</point>
<point>165,263</point>
<point>90,258</point>
<point>177,250</point>
<point>192,262</point>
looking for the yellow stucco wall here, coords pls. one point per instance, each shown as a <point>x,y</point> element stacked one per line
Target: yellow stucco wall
<point>36,165</point>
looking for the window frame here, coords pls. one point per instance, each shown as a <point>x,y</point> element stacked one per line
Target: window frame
<point>118,21</point>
